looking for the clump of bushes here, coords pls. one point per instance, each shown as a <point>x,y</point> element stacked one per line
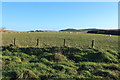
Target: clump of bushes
<point>59,57</point>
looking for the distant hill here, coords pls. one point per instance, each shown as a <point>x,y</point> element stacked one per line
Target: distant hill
<point>92,30</point>
<point>10,31</point>
<point>78,30</point>
<point>71,30</point>
<point>106,31</point>
<point>96,31</point>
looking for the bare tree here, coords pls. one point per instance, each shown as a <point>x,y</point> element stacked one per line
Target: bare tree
<point>2,28</point>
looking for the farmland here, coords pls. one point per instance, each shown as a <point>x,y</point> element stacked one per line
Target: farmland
<point>51,60</point>
<point>49,39</point>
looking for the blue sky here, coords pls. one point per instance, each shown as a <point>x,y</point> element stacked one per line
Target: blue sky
<point>24,16</point>
<point>0,14</point>
<point>60,0</point>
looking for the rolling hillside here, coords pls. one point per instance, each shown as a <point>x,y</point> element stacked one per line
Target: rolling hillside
<point>95,31</point>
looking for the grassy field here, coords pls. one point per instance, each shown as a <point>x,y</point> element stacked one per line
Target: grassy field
<point>49,39</point>
<point>50,60</point>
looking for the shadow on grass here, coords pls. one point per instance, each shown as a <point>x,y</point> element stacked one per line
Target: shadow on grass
<point>37,51</point>
<point>75,54</point>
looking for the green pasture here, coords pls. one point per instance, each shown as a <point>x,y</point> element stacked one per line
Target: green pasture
<point>50,39</point>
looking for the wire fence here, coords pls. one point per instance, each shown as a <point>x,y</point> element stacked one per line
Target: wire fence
<point>78,43</point>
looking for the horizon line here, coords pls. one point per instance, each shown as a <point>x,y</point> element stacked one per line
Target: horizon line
<point>63,29</point>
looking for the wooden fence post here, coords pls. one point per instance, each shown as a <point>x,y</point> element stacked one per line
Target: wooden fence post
<point>14,42</point>
<point>93,43</point>
<point>64,42</point>
<point>37,42</point>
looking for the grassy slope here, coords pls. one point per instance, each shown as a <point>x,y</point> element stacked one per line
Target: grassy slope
<point>81,40</point>
<point>59,62</point>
